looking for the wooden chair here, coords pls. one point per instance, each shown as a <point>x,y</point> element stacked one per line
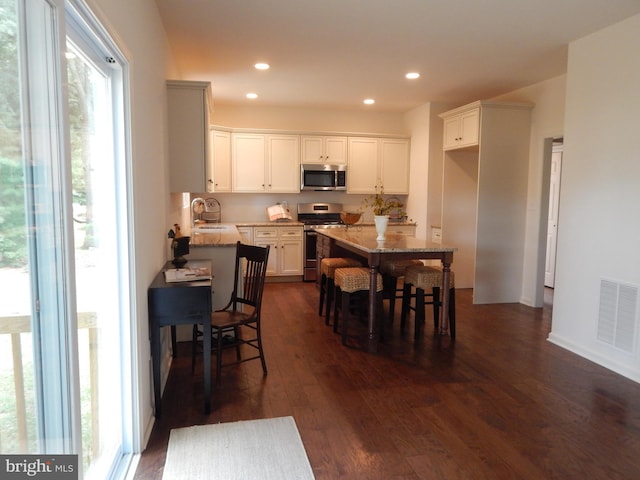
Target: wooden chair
<point>352,293</point>
<point>427,282</point>
<point>241,316</point>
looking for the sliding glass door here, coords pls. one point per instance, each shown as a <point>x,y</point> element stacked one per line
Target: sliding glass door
<point>65,346</point>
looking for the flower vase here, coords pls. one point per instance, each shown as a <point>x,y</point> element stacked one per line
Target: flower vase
<point>381,222</point>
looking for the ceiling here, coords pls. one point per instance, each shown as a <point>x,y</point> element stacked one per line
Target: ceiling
<point>335,53</point>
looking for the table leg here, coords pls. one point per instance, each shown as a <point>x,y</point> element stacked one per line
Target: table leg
<point>444,314</point>
<point>174,343</point>
<point>206,368</point>
<point>373,291</point>
<point>155,360</point>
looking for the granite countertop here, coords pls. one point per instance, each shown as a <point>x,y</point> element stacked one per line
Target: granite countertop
<point>288,223</point>
<point>215,235</point>
<point>226,234</point>
<point>365,240</point>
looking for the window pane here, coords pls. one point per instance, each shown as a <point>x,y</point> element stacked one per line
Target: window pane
<point>96,257</point>
<point>17,397</point>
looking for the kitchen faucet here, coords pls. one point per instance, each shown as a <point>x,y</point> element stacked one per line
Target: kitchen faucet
<point>197,208</point>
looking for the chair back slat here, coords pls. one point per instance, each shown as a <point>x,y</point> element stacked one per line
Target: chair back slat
<point>251,265</point>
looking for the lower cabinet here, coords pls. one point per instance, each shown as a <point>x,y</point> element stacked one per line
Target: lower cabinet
<point>285,255</point>
<point>246,235</point>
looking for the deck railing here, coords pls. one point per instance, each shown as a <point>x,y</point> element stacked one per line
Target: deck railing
<point>15,326</point>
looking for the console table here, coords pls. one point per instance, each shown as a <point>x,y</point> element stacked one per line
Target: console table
<point>180,303</point>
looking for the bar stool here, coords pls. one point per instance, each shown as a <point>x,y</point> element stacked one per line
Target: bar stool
<point>353,285</point>
<point>391,270</point>
<point>328,266</point>
<point>426,279</point>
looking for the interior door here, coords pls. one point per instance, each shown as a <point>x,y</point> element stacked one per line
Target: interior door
<point>552,221</point>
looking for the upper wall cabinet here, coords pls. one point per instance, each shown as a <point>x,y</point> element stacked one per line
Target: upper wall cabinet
<point>188,122</point>
<point>328,150</point>
<point>376,163</point>
<point>219,165</point>
<point>461,128</point>
<point>265,163</point>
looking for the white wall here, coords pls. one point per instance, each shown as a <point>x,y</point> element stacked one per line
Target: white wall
<point>424,203</point>
<point>547,121</point>
<point>600,196</point>
<point>137,29</point>
<point>308,119</point>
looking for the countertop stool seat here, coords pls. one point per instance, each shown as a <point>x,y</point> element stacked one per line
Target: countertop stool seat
<point>391,271</point>
<point>328,266</point>
<point>352,285</point>
<point>426,279</point>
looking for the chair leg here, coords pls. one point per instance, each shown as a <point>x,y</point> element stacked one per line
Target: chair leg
<point>330,298</point>
<point>323,289</point>
<point>237,334</point>
<point>262,360</point>
<point>218,355</point>
<point>336,307</point>
<point>406,302</point>
<point>419,316</point>
<point>345,304</point>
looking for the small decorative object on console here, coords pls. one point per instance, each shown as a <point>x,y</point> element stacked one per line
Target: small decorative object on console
<point>179,246</point>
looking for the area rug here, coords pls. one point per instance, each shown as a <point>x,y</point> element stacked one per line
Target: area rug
<point>254,449</point>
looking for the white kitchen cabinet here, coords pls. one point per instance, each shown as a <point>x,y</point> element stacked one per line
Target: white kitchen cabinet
<point>219,165</point>
<point>484,203</point>
<point>249,156</point>
<point>393,165</point>
<point>283,163</point>
<point>246,235</point>
<point>265,163</point>
<point>378,162</point>
<point>461,128</point>
<point>188,106</point>
<point>285,254</point>
<point>330,150</point>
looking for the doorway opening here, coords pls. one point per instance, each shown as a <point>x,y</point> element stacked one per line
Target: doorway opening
<point>555,172</point>
<point>549,210</point>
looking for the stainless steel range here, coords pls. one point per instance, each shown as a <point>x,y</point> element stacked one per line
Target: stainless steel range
<point>316,216</point>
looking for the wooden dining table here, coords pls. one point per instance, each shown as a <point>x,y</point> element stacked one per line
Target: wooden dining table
<point>363,243</point>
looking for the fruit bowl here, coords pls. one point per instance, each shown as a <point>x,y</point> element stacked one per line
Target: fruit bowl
<point>350,218</point>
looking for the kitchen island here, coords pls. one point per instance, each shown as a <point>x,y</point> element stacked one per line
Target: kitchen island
<point>394,247</point>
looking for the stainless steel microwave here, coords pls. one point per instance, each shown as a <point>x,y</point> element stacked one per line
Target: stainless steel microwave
<point>323,177</point>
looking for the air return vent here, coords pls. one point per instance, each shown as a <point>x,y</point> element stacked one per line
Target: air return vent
<point>617,316</point>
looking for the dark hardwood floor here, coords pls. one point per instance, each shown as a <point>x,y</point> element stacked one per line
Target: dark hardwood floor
<point>500,403</point>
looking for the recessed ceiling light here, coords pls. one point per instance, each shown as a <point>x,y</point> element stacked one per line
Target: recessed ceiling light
<point>262,66</point>
<point>369,101</point>
<point>252,95</point>
<point>412,75</point>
